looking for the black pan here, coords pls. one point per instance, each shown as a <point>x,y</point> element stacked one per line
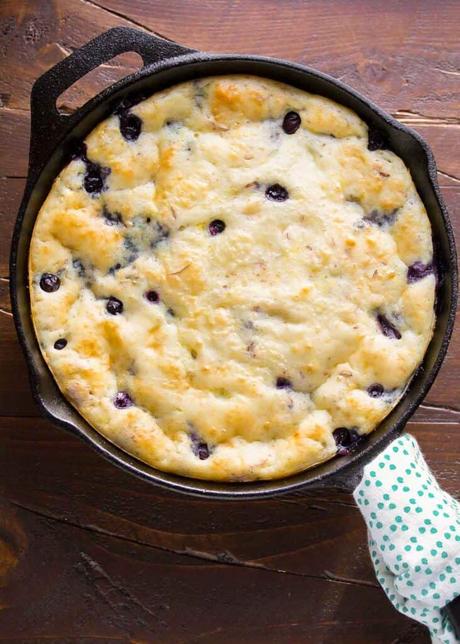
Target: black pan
<point>167,63</point>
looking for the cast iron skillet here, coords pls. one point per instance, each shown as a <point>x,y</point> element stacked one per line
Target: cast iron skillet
<point>167,63</point>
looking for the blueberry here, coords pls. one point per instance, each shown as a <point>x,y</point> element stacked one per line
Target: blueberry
<point>78,150</point>
<point>94,177</point>
<point>342,436</point>
<point>114,306</point>
<point>95,174</point>
<point>291,122</point>
<point>123,400</point>
<point>113,269</point>
<point>93,181</point>
<point>199,447</point>
<point>346,440</point>
<point>152,296</point>
<point>380,218</point>
<point>276,192</point>
<point>130,125</point>
<point>60,344</point>
<point>216,227</point>
<point>283,383</point>
<point>376,390</point>
<point>418,271</point>
<point>376,140</point>
<point>112,218</point>
<point>387,328</point>
<point>355,436</point>
<point>79,267</point>
<point>49,282</point>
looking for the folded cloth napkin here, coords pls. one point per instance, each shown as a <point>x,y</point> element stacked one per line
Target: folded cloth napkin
<point>414,535</point>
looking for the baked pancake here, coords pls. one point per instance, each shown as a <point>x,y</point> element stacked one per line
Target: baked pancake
<point>233,279</point>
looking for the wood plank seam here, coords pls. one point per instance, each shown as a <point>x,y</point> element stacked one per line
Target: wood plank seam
<point>221,559</point>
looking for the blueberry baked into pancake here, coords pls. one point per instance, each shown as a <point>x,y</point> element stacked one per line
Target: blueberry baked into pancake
<point>233,279</point>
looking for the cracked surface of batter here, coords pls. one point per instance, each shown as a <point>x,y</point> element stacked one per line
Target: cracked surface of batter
<point>231,275</point>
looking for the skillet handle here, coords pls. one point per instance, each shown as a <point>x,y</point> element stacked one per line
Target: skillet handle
<point>47,125</point>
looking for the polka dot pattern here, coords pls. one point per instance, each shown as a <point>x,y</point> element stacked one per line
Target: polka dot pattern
<point>414,535</point>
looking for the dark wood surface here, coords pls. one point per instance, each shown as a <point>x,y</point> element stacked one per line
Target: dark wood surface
<point>88,553</point>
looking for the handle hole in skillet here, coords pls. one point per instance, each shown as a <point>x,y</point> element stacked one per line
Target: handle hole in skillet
<point>96,80</point>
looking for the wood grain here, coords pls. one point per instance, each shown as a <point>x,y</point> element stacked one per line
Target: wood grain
<point>297,544</point>
<point>406,56</point>
<point>89,553</point>
<point>176,599</point>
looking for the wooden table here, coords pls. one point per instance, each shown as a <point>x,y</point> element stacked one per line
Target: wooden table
<point>88,553</point>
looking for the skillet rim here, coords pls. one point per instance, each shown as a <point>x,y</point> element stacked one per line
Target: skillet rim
<point>346,472</point>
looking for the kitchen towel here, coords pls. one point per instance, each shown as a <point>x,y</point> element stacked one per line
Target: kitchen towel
<point>414,535</point>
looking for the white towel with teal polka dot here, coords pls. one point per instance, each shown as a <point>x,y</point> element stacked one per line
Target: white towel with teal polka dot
<point>414,535</point>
